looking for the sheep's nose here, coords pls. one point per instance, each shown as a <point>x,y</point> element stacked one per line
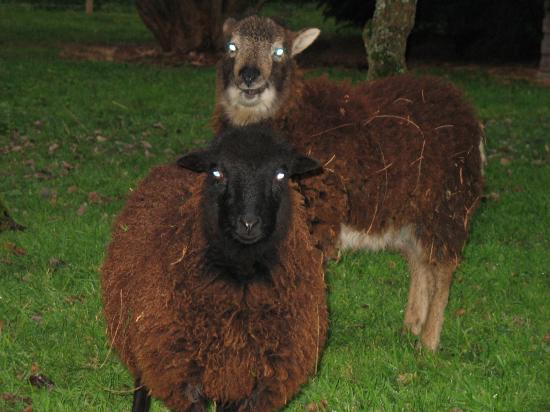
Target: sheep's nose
<point>249,222</point>
<point>249,74</point>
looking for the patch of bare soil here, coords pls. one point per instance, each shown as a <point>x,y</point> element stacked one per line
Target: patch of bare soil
<point>346,52</point>
<point>335,52</point>
<point>149,54</point>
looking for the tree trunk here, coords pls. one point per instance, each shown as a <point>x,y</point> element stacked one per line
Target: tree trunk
<point>89,7</point>
<point>544,65</point>
<point>6,222</point>
<point>181,26</point>
<point>385,37</point>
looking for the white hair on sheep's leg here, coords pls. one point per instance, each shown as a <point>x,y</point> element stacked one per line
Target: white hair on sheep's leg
<point>483,156</point>
<point>431,330</point>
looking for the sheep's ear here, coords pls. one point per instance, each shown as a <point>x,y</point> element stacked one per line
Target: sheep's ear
<point>303,164</point>
<point>303,40</point>
<point>228,26</point>
<point>199,161</point>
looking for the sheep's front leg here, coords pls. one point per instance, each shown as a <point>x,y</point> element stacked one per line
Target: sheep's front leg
<point>142,399</point>
<point>193,393</point>
<point>266,397</point>
<point>443,275</point>
<point>227,408</point>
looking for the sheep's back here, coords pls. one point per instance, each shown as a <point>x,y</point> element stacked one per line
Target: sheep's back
<point>405,149</point>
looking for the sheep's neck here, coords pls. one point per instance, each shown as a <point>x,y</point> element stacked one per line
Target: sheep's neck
<point>242,266</point>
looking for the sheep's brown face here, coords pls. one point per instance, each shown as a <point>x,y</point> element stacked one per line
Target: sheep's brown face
<point>254,75</point>
<point>246,199</point>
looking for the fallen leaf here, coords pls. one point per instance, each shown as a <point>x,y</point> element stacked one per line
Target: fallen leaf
<point>547,338</point>
<point>518,189</point>
<point>146,144</point>
<point>460,312</point>
<point>41,381</point>
<point>72,189</point>
<point>38,319</point>
<point>6,261</point>
<point>406,378</point>
<point>518,321</point>
<point>82,209</point>
<point>56,263</point>
<point>12,247</point>
<point>101,139</point>
<point>312,407</point>
<point>28,408</point>
<point>39,124</point>
<point>67,165</point>
<point>35,368</point>
<point>13,398</point>
<point>45,192</point>
<point>494,196</point>
<point>159,125</point>
<point>30,162</point>
<point>2,323</point>
<point>505,161</point>
<point>72,299</point>
<point>392,264</point>
<point>94,197</point>
<point>43,175</point>
<point>53,147</point>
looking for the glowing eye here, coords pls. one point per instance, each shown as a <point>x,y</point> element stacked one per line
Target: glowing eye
<point>216,173</point>
<point>280,176</point>
<point>231,47</point>
<point>279,51</point>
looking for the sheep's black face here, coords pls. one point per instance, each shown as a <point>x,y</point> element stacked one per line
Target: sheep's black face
<point>254,74</point>
<point>249,196</point>
<point>246,199</point>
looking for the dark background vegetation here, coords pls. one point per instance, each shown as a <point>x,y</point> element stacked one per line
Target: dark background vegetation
<point>473,30</point>
<point>466,30</point>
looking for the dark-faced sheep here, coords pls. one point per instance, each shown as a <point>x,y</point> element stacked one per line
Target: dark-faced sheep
<point>402,156</point>
<point>212,286</point>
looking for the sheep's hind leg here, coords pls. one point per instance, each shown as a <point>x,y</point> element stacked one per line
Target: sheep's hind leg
<point>142,399</point>
<point>431,331</point>
<point>420,293</point>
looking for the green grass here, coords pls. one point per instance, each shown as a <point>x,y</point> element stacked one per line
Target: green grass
<point>69,128</point>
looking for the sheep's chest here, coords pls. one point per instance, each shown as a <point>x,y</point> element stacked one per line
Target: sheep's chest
<point>248,329</point>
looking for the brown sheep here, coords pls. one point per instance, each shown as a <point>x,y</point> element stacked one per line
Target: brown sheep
<point>212,287</point>
<point>402,156</point>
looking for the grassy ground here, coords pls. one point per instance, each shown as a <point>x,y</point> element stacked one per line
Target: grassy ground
<point>75,136</point>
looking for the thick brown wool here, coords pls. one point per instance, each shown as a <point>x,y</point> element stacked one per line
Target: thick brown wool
<point>189,336</point>
<point>397,151</point>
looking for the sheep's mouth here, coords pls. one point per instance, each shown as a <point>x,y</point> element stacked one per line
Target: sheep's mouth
<point>247,239</point>
<point>252,93</point>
